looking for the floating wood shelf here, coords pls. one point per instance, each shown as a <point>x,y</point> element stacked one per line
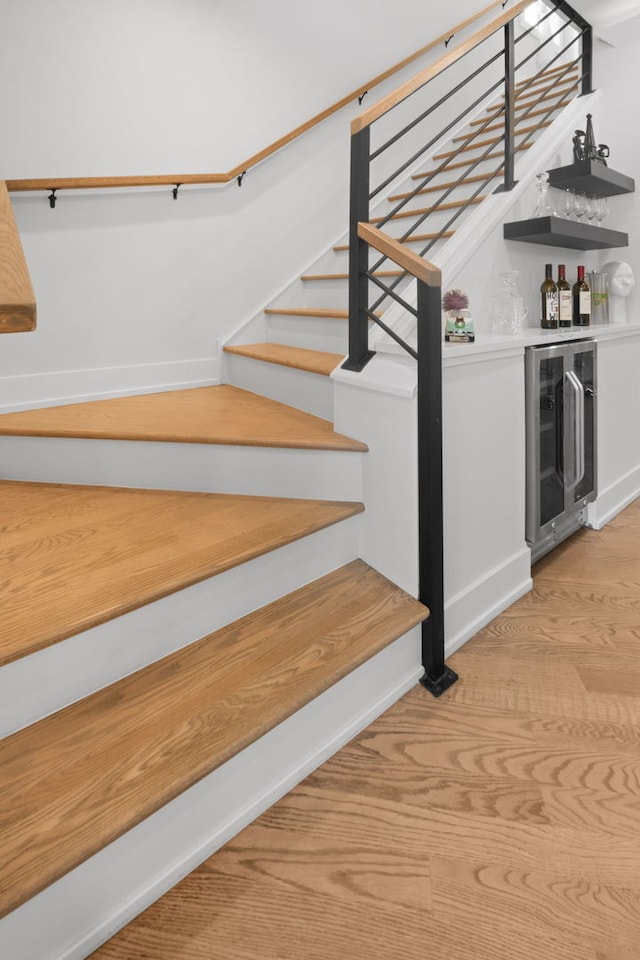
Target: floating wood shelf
<point>591,176</point>
<point>558,232</point>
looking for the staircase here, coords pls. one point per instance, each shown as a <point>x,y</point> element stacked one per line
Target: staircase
<point>312,312</point>
<point>188,625</point>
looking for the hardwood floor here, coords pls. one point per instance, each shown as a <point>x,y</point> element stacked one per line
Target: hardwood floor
<point>501,822</point>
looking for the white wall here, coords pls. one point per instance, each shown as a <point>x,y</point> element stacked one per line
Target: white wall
<point>133,288</point>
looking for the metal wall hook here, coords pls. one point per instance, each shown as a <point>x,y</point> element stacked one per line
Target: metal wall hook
<point>241,178</point>
<point>175,189</point>
<point>362,96</point>
<point>53,198</point>
<point>447,42</point>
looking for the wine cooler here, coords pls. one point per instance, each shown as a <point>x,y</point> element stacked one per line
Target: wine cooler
<point>561,398</point>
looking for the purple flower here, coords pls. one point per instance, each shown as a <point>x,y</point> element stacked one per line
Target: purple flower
<point>455,300</point>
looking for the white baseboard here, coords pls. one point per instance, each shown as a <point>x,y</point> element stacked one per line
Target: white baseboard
<point>52,388</point>
<point>473,608</point>
<point>613,499</point>
<point>72,917</point>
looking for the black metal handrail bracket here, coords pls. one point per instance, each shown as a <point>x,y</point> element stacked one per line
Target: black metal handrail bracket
<point>370,247</point>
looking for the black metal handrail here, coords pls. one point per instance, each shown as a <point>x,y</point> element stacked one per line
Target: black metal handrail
<point>364,238</point>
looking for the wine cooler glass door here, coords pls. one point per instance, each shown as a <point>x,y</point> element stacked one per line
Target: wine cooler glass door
<point>584,368</point>
<point>545,442</point>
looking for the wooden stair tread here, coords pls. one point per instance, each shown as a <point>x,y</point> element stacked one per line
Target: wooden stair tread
<point>433,188</point>
<point>221,414</point>
<point>518,133</point>
<point>546,74</point>
<point>313,361</point>
<point>448,205</point>
<point>468,161</point>
<point>570,76</point>
<point>540,95</point>
<point>74,557</point>
<point>79,779</point>
<point>534,113</point>
<point>474,145</point>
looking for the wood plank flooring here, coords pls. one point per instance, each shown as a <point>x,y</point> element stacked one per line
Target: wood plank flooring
<point>77,780</point>
<point>73,557</point>
<point>501,822</point>
<point>221,414</point>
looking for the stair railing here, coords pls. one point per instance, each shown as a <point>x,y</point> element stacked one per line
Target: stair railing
<point>17,301</point>
<point>364,239</point>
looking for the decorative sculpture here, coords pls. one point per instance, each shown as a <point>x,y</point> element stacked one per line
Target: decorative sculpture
<point>585,147</point>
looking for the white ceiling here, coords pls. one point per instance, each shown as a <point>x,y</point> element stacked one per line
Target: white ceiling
<point>610,18</point>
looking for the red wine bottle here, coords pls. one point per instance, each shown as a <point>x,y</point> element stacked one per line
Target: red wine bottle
<point>565,302</point>
<point>581,301</point>
<point>549,293</point>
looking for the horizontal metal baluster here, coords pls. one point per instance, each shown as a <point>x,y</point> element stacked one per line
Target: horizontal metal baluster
<point>423,116</point>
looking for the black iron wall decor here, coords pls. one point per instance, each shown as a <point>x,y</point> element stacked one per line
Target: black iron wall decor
<point>585,147</point>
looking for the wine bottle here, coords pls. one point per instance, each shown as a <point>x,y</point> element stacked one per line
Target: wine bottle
<point>549,293</point>
<point>565,303</point>
<point>581,301</point>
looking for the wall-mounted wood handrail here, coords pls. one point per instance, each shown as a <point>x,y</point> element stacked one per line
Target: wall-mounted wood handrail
<point>407,259</point>
<point>17,301</point>
<point>87,183</point>
<point>406,89</point>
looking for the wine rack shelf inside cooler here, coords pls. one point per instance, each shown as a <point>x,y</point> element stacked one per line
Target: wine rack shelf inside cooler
<point>592,177</point>
<point>559,232</point>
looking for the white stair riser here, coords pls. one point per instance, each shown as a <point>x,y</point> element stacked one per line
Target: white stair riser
<point>38,685</point>
<point>72,917</point>
<point>207,468</point>
<point>310,392</point>
<point>310,333</point>
<point>326,294</point>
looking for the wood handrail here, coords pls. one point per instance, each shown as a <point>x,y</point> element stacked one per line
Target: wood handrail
<point>421,269</point>
<point>17,300</point>
<point>406,89</point>
<point>87,183</point>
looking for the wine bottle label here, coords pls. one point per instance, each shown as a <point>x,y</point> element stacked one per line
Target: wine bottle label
<point>585,302</point>
<point>551,307</point>
<point>565,306</point>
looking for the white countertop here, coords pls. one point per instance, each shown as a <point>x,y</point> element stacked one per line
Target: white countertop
<point>487,345</point>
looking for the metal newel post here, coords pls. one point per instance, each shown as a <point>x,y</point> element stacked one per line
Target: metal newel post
<point>587,61</point>
<point>438,677</point>
<point>359,353</point>
<point>509,109</point>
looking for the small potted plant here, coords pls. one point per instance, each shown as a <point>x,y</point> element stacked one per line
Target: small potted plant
<point>459,325</point>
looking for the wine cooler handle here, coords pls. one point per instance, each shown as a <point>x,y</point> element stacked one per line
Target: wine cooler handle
<point>578,427</point>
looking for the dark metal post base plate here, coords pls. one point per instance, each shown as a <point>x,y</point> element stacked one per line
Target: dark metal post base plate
<point>438,685</point>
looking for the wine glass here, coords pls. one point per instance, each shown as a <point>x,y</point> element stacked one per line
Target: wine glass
<point>603,209</point>
<point>567,205</point>
<point>580,206</point>
<point>592,208</point>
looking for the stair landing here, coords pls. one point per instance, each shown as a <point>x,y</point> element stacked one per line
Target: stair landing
<point>73,557</point>
<point>214,415</point>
